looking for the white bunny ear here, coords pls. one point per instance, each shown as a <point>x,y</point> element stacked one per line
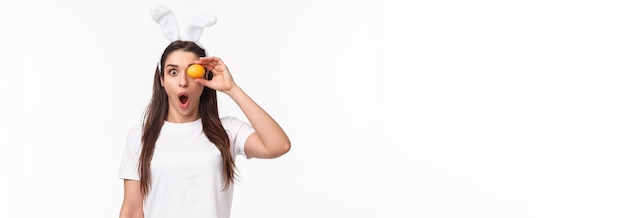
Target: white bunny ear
<point>165,17</point>
<point>197,25</point>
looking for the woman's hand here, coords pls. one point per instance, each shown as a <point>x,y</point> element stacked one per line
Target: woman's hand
<point>268,140</point>
<point>222,80</point>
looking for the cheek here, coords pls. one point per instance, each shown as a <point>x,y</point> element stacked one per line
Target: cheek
<point>195,90</point>
<point>170,86</point>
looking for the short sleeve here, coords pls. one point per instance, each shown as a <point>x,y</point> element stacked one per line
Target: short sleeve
<point>130,155</point>
<point>238,132</point>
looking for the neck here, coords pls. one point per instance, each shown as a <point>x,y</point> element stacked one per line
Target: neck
<point>174,116</point>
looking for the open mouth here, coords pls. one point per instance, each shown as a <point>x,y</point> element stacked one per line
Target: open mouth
<point>183,98</point>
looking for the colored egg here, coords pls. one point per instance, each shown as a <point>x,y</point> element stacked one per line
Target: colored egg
<point>195,71</point>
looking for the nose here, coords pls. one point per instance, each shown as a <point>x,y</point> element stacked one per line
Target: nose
<point>182,80</point>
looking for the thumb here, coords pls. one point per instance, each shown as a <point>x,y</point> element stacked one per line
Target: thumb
<point>204,82</point>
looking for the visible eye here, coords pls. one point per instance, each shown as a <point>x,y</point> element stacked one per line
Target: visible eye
<point>173,72</point>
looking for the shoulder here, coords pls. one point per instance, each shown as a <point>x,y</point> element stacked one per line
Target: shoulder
<point>231,123</point>
<point>133,138</point>
<point>135,131</point>
<point>230,120</point>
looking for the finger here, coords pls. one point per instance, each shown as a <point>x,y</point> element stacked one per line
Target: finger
<point>218,62</point>
<point>220,69</point>
<point>209,62</point>
<point>206,59</point>
<point>213,59</point>
<point>204,82</point>
<point>209,59</point>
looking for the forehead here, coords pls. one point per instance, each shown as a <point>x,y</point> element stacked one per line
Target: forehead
<point>181,57</point>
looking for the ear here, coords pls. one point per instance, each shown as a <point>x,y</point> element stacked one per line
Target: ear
<point>161,79</point>
<point>194,30</point>
<point>166,19</point>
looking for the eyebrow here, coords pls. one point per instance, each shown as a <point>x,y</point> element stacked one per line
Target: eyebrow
<point>176,66</point>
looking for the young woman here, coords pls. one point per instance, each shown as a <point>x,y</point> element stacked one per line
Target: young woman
<point>181,161</point>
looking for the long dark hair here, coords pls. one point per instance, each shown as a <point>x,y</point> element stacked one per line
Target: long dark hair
<point>156,113</point>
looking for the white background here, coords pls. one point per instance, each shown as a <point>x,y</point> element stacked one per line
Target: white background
<point>394,108</point>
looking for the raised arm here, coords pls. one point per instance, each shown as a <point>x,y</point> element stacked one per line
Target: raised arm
<point>269,139</point>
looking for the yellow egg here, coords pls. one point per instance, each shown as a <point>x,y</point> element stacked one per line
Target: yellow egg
<point>195,71</point>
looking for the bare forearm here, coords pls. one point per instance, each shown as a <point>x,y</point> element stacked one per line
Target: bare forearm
<point>268,130</point>
<point>131,210</point>
<point>132,206</point>
<point>131,214</point>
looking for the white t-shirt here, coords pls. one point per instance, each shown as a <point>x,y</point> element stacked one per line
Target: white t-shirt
<point>186,169</point>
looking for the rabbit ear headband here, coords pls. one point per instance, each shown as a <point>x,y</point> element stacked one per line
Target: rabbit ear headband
<point>169,26</point>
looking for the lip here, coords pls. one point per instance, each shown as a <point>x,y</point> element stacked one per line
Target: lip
<point>180,104</point>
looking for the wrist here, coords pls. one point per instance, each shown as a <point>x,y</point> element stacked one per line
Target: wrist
<point>233,90</point>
